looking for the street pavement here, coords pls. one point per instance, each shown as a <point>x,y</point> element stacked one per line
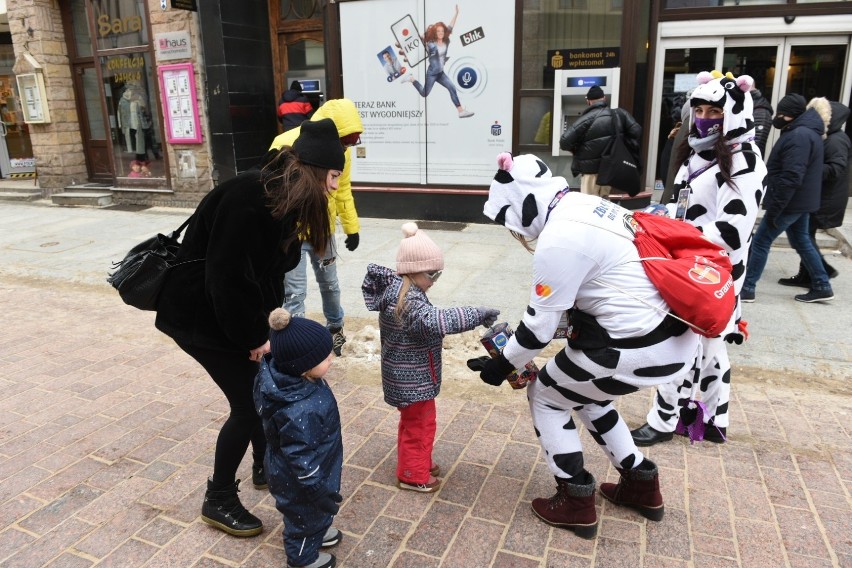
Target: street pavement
<point>107,429</point>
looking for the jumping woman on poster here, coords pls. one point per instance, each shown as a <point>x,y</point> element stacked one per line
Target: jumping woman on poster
<point>437,40</point>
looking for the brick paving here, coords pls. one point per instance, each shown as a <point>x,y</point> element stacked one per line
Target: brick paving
<point>107,433</point>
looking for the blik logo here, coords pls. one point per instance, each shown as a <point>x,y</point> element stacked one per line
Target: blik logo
<point>500,340</point>
<point>496,129</point>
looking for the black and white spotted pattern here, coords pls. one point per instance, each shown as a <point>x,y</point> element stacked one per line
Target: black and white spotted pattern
<point>726,214</point>
<point>586,383</point>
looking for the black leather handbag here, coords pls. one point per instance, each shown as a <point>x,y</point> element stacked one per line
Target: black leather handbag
<point>619,169</point>
<point>140,276</point>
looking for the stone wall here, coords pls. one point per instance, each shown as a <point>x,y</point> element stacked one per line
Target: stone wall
<point>188,189</point>
<point>36,27</point>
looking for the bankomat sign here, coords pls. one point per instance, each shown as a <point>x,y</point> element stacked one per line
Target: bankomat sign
<point>595,58</point>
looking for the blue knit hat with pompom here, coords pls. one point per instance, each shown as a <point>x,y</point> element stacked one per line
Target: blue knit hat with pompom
<point>297,344</point>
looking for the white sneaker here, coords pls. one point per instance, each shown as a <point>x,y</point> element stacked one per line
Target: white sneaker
<point>464,113</point>
<point>407,79</point>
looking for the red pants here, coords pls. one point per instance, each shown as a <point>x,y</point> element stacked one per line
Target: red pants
<point>416,437</point>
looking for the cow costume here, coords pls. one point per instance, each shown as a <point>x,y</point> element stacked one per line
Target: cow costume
<point>620,343</point>
<point>725,211</point>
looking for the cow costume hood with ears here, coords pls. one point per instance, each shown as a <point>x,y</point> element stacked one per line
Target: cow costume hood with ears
<point>521,194</point>
<point>732,94</point>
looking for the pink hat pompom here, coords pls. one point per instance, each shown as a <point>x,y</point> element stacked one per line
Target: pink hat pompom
<point>409,229</point>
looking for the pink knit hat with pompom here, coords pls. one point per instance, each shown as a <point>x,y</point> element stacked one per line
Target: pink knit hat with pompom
<point>417,252</point>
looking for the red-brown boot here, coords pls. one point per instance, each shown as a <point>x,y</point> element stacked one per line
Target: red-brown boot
<point>573,506</point>
<point>638,488</point>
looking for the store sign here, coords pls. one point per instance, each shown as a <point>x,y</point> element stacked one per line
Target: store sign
<point>190,5</point>
<point>434,112</point>
<point>596,57</point>
<point>172,45</point>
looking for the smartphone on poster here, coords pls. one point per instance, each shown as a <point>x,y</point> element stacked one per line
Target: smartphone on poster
<point>408,40</point>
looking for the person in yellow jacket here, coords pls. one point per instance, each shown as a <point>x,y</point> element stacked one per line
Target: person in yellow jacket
<point>341,204</point>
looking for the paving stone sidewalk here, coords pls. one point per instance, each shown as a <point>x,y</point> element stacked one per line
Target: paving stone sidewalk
<point>107,429</point>
<point>107,433</point>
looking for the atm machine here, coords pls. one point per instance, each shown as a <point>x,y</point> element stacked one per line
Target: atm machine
<point>569,101</point>
<point>312,89</point>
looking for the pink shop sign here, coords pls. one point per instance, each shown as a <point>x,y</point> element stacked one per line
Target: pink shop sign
<point>180,103</point>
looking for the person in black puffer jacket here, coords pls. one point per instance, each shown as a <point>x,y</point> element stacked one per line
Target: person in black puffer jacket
<point>247,232</point>
<point>835,182</point>
<point>589,136</point>
<point>794,182</point>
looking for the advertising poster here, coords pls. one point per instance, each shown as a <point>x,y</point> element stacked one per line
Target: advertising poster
<point>433,83</point>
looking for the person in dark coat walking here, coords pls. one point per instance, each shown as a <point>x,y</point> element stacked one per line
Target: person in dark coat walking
<point>794,180</point>
<point>763,114</point>
<point>246,231</point>
<point>837,150</point>
<point>589,136</point>
<point>301,421</point>
<point>294,108</point>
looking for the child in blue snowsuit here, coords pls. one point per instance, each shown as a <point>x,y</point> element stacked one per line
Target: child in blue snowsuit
<point>304,451</point>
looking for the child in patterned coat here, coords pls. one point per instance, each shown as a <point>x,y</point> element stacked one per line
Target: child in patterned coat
<point>412,331</point>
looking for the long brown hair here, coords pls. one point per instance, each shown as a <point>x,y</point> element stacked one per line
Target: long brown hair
<point>296,188</point>
<point>431,34</point>
<point>721,151</point>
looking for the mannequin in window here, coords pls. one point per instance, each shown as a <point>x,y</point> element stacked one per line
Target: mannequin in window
<point>124,118</point>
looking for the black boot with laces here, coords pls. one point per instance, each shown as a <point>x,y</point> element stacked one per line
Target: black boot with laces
<point>223,510</point>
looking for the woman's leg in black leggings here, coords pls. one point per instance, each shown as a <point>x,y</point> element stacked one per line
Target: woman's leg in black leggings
<point>234,374</point>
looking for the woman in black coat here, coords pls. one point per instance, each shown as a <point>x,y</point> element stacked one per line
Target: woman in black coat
<point>247,232</point>
<point>835,182</point>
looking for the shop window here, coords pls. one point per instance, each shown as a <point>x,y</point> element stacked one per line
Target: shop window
<point>131,104</point>
<point>121,23</point>
<point>567,25</point>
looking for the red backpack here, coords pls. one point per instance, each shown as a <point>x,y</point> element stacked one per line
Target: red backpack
<point>692,274</point>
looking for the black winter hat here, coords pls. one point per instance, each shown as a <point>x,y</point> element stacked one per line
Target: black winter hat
<point>297,344</point>
<point>296,86</point>
<point>792,104</point>
<point>595,93</point>
<point>319,145</point>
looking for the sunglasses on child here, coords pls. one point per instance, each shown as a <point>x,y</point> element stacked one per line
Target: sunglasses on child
<point>433,276</point>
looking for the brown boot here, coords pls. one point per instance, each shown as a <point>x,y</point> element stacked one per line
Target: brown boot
<point>638,488</point>
<point>573,506</point>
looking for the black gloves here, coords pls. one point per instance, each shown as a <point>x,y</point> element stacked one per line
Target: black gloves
<point>488,315</point>
<point>735,337</point>
<point>491,370</point>
<point>352,241</point>
<point>328,503</point>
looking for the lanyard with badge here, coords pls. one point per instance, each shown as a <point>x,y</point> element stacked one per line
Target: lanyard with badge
<point>683,194</point>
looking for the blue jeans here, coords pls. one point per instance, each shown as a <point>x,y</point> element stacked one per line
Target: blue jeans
<point>441,79</point>
<point>796,227</point>
<point>325,270</point>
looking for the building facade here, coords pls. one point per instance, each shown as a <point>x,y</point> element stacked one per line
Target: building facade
<point>156,101</point>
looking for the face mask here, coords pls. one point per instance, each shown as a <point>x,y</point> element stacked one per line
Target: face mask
<point>707,126</point>
<point>780,122</point>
